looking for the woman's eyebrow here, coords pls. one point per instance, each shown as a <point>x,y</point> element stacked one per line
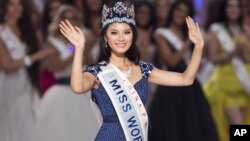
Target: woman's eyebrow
<point>120,30</point>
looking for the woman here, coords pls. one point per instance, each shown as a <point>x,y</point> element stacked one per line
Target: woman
<point>161,11</point>
<point>92,21</point>
<point>59,116</point>
<point>47,78</point>
<point>226,50</point>
<point>144,18</point>
<point>119,80</point>
<point>179,113</point>
<point>145,27</point>
<point>19,70</point>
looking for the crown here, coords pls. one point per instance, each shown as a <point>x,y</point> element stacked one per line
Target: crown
<point>120,12</point>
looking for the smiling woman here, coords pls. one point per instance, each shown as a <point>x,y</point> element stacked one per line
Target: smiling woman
<point>110,87</point>
<point>119,38</point>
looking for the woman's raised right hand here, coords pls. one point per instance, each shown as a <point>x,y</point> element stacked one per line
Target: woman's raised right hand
<point>73,33</point>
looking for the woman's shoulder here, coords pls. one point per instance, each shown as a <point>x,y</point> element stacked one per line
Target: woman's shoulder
<point>94,68</point>
<point>146,68</point>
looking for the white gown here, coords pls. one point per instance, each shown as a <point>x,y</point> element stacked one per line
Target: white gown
<point>17,98</point>
<point>63,115</point>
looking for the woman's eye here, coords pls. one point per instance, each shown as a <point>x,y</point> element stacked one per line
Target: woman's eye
<point>113,33</point>
<point>127,32</point>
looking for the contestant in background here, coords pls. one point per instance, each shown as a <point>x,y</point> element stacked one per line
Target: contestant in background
<point>179,113</point>
<point>63,115</point>
<point>228,88</point>
<point>19,71</point>
<point>145,26</point>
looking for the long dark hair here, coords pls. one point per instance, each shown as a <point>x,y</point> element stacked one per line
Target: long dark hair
<point>46,17</point>
<point>87,13</point>
<point>219,14</point>
<point>27,36</point>
<point>224,17</point>
<point>214,15</point>
<point>171,14</point>
<point>132,54</point>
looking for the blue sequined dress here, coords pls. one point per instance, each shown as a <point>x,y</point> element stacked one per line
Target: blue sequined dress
<point>111,129</point>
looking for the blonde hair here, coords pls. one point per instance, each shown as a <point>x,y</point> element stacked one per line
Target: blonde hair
<point>53,28</point>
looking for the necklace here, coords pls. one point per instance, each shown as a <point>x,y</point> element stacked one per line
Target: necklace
<point>127,73</point>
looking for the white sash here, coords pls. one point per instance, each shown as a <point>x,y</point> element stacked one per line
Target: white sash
<point>174,41</point>
<point>228,45</point>
<point>127,103</point>
<point>60,46</point>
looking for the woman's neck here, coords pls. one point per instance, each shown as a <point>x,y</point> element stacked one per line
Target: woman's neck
<point>177,30</point>
<point>232,23</point>
<point>11,22</point>
<point>119,61</point>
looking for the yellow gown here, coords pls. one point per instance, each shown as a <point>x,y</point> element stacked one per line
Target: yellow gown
<point>225,90</point>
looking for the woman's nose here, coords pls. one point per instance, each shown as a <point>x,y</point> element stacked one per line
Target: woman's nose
<point>121,37</point>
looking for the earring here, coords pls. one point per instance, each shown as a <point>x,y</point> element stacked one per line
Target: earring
<point>106,44</point>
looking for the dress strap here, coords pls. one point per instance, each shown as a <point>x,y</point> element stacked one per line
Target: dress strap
<point>146,68</point>
<point>93,69</point>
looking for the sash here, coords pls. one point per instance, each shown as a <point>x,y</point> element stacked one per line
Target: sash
<point>127,103</point>
<point>174,41</point>
<point>228,45</point>
<point>60,46</point>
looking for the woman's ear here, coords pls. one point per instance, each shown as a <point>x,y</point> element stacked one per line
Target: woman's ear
<point>105,38</point>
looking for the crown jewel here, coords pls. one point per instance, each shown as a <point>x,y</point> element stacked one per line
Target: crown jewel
<point>118,13</point>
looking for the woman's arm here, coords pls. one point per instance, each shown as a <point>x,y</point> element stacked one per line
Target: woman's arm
<point>80,82</point>
<point>186,78</point>
<point>8,64</point>
<point>54,63</point>
<point>213,51</point>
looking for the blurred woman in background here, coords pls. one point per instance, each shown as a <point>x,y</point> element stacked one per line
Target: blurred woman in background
<point>92,21</point>
<point>161,8</point>
<point>19,71</point>
<point>145,26</point>
<point>50,8</point>
<point>144,17</point>
<point>63,115</point>
<point>229,86</point>
<point>179,113</point>
<point>47,78</point>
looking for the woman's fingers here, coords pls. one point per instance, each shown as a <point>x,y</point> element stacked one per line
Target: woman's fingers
<point>191,22</point>
<point>197,26</point>
<point>188,24</point>
<point>64,27</point>
<point>70,25</point>
<point>78,29</point>
<point>65,35</point>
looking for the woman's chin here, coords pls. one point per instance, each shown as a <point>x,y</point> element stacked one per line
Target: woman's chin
<point>120,51</point>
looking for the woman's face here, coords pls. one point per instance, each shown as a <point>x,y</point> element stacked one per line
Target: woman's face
<point>233,10</point>
<point>14,9</point>
<point>161,9</point>
<point>119,37</point>
<point>142,16</point>
<point>72,17</point>
<point>94,5</point>
<point>54,5</point>
<point>180,13</point>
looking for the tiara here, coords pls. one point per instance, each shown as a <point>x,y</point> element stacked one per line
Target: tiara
<point>118,13</point>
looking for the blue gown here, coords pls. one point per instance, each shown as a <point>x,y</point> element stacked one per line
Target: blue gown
<point>111,129</point>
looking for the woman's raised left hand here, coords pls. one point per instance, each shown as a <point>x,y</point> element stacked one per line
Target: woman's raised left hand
<point>194,32</point>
